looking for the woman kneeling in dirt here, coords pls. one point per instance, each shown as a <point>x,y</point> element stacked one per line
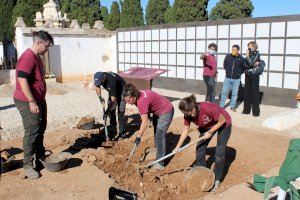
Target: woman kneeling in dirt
<point>210,119</point>
<point>148,102</point>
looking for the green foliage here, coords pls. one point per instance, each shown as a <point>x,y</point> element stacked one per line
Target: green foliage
<point>187,11</point>
<point>27,10</point>
<point>132,14</point>
<point>85,11</point>
<point>169,17</point>
<point>113,19</point>
<point>104,12</point>
<point>155,11</point>
<point>6,28</point>
<point>65,6</point>
<point>232,9</point>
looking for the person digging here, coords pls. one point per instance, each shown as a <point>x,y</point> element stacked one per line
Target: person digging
<point>114,85</point>
<point>148,102</point>
<point>211,119</point>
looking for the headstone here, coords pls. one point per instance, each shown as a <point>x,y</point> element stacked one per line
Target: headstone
<point>20,23</point>
<point>38,19</point>
<point>74,24</point>
<point>49,24</point>
<point>85,26</point>
<point>98,24</point>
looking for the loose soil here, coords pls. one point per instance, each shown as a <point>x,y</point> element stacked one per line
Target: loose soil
<point>93,169</point>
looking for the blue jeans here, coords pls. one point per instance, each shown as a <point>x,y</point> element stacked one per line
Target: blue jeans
<point>161,124</point>
<point>223,135</point>
<point>233,85</point>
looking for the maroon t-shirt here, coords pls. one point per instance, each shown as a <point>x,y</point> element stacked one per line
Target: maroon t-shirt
<point>208,116</point>
<point>32,64</point>
<point>210,65</point>
<point>151,102</point>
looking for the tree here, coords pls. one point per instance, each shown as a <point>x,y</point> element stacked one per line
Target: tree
<point>104,12</point>
<point>155,11</point>
<point>132,14</point>
<point>85,11</point>
<point>6,28</point>
<point>113,19</point>
<point>27,9</point>
<point>65,7</point>
<point>169,17</point>
<point>232,9</point>
<point>187,11</point>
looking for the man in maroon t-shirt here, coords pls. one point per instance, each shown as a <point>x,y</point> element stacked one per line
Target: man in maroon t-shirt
<point>29,98</point>
<point>148,102</point>
<point>210,119</point>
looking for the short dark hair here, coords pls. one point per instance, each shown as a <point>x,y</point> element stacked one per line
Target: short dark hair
<point>42,35</point>
<point>236,46</point>
<point>213,45</point>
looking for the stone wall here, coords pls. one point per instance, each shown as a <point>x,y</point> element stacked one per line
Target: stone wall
<point>77,53</point>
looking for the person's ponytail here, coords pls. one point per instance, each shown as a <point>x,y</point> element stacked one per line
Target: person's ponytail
<point>131,91</point>
<point>187,104</point>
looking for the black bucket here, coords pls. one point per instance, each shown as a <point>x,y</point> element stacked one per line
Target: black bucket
<point>117,194</point>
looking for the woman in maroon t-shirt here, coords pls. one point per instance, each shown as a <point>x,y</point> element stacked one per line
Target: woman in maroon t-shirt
<point>210,119</point>
<point>210,71</point>
<point>148,102</point>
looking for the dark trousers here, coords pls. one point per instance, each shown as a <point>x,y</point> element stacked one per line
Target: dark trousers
<point>223,135</point>
<point>35,126</point>
<point>251,97</point>
<point>121,114</point>
<point>161,124</point>
<point>210,83</point>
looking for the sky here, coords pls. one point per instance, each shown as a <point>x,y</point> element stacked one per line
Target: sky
<point>262,8</point>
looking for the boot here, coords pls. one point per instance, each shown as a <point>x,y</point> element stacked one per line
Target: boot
<point>31,173</point>
<point>157,166</point>
<point>122,136</point>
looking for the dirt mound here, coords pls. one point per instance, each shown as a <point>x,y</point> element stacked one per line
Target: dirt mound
<point>7,90</point>
<point>55,88</point>
<point>150,184</point>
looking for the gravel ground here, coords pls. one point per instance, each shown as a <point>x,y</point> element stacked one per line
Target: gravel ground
<point>64,110</point>
<point>68,102</point>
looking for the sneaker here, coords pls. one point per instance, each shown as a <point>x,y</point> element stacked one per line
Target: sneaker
<point>157,166</point>
<point>245,113</point>
<point>216,186</point>
<point>31,173</point>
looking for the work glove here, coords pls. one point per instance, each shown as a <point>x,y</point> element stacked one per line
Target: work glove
<point>102,100</point>
<point>137,141</point>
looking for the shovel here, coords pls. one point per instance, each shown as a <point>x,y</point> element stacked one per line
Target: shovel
<point>173,153</point>
<point>131,154</point>
<point>107,143</point>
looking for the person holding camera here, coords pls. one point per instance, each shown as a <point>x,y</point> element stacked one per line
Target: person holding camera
<point>210,71</point>
<point>251,97</point>
<point>147,102</point>
<point>114,84</point>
